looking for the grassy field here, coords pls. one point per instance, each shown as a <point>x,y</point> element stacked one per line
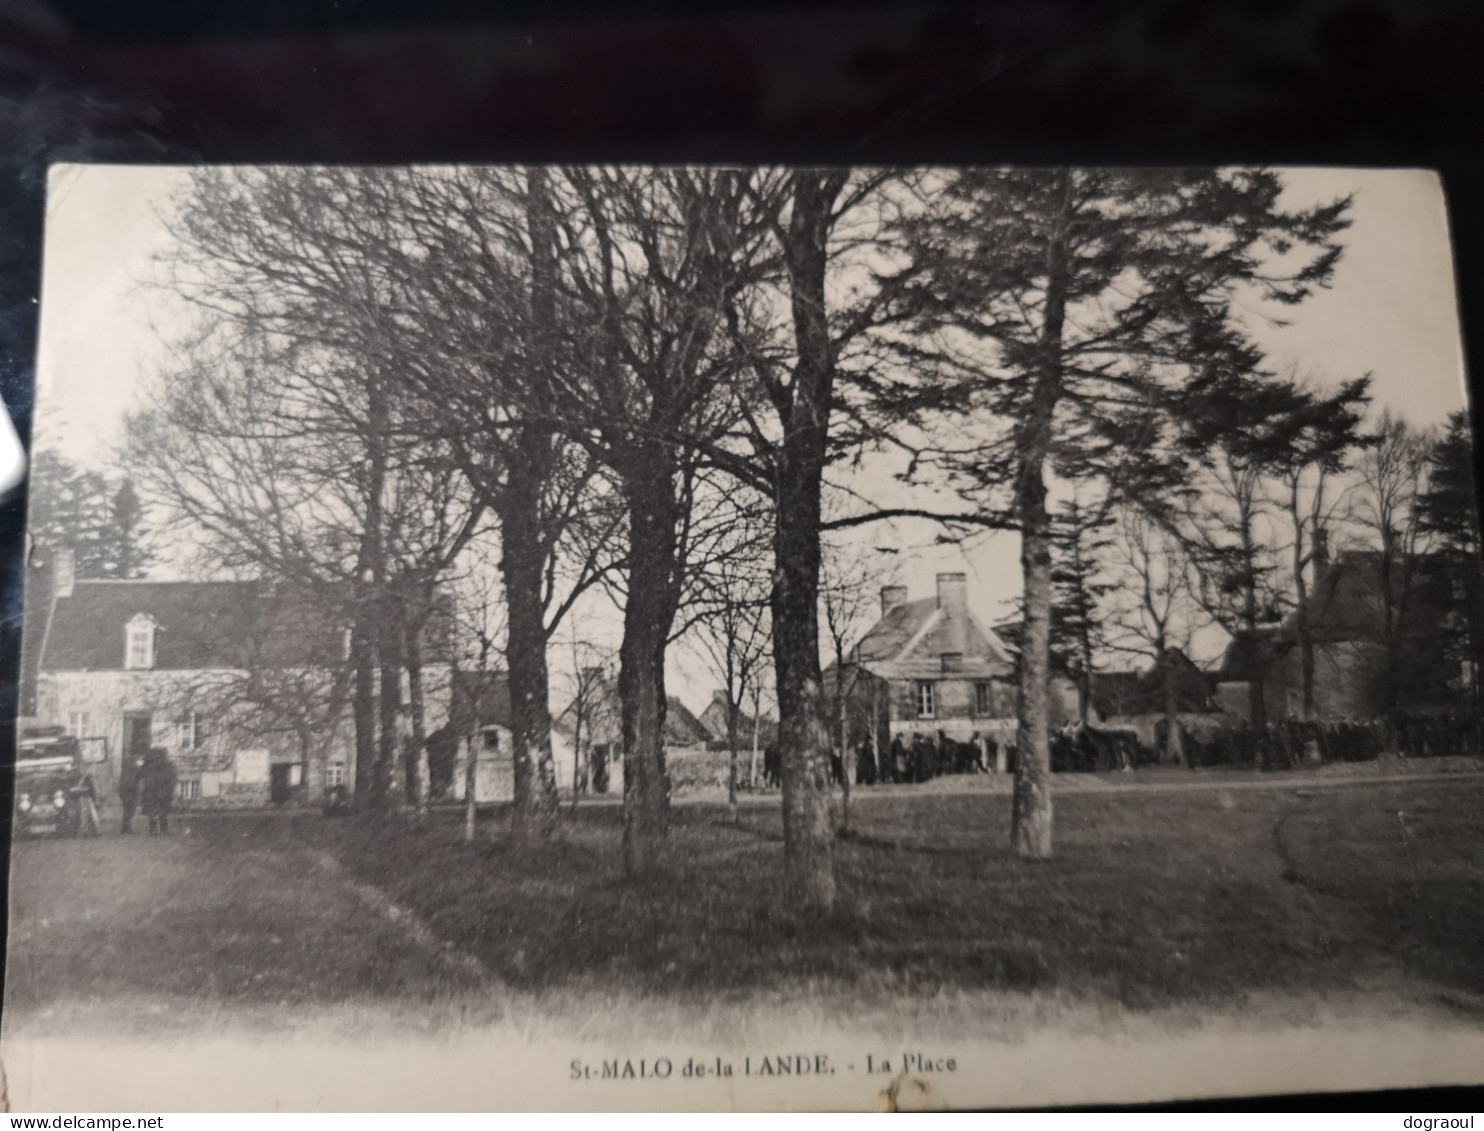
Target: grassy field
<point>1195,897</point>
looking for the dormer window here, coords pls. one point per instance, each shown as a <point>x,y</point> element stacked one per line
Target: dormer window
<point>139,644</point>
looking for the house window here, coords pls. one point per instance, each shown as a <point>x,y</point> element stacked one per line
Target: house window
<point>188,732</point>
<point>189,789</point>
<point>77,724</point>
<point>490,738</point>
<point>982,704</point>
<point>335,773</point>
<point>139,643</point>
<point>926,702</point>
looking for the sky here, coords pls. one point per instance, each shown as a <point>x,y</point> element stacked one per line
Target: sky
<point>1391,312</point>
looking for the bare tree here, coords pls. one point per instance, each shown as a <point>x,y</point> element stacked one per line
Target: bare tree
<point>249,453</point>
<point>851,578</point>
<point>589,680</point>
<point>1323,436</point>
<point>479,631</point>
<point>731,635</point>
<point>802,333</point>
<point>287,672</point>
<point>1154,612</point>
<point>654,259</point>
<point>1393,475</point>
<point>435,288</point>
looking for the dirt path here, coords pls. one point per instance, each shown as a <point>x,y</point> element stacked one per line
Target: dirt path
<point>205,920</point>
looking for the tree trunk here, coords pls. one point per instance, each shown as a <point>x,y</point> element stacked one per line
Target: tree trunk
<point>522,567</point>
<point>649,612</point>
<point>523,561</point>
<point>844,724</point>
<point>306,744</point>
<point>876,775</point>
<point>732,738</point>
<point>415,706</point>
<point>1031,814</point>
<point>1174,751</point>
<point>1030,822</point>
<point>803,735</point>
<point>578,711</point>
<point>1257,707</point>
<point>1474,627</point>
<point>1084,677</point>
<point>471,768</point>
<point>389,710</point>
<point>1302,630</point>
<point>371,582</point>
<point>364,713</point>
<point>757,733</point>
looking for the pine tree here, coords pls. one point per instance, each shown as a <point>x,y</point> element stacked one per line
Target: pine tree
<point>1079,543</point>
<point>125,553</point>
<point>1071,309</point>
<point>69,509</point>
<point>1449,509</point>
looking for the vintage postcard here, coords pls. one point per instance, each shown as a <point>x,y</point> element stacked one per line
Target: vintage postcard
<point>745,638</point>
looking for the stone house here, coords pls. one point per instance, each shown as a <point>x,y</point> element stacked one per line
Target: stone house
<point>926,667</point>
<point>1375,625</point>
<point>479,727</point>
<point>1135,700</point>
<point>714,719</point>
<point>246,685</point>
<point>686,740</point>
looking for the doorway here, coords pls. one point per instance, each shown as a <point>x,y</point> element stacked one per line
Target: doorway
<point>281,782</point>
<point>136,733</point>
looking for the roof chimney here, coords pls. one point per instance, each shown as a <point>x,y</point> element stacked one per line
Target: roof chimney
<point>892,596</point>
<point>64,572</point>
<point>953,593</point>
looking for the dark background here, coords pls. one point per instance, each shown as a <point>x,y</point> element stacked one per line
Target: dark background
<point>1388,82</point>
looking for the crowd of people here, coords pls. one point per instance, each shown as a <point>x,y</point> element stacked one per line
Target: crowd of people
<point>1081,748</point>
<point>1290,743</point>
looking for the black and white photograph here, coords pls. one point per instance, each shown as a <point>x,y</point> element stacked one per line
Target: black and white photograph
<point>724,637</point>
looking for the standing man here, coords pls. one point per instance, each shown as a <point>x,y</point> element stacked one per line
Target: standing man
<point>85,796</point>
<point>157,790</point>
<point>129,788</point>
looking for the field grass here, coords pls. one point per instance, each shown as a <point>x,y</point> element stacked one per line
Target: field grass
<point>1184,898</point>
<point>1198,897</point>
<point>225,920</point>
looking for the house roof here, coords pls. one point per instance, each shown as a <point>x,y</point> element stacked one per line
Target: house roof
<point>200,625</point>
<point>1346,603</point>
<point>682,728</point>
<point>1248,655</point>
<point>1140,693</point>
<point>479,698</point>
<point>714,719</point>
<point>910,641</point>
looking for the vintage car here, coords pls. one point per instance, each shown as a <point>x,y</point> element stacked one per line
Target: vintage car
<point>51,786</point>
